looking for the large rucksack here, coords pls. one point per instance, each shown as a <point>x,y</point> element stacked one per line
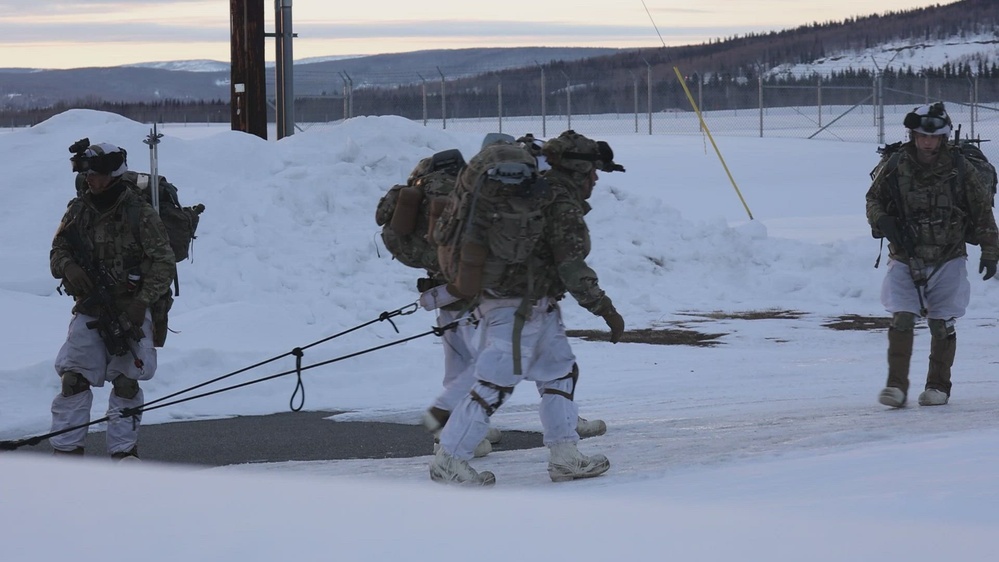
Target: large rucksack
<point>492,220</point>
<point>971,151</point>
<point>404,213</point>
<point>181,224</point>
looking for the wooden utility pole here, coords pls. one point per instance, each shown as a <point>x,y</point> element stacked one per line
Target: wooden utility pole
<point>248,89</point>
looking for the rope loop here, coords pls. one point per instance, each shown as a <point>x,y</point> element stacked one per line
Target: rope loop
<point>299,385</point>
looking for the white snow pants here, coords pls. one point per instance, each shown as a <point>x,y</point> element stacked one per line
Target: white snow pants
<point>84,353</point>
<point>459,359</point>
<point>546,358</point>
<point>946,294</point>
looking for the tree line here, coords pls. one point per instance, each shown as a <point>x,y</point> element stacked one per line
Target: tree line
<point>722,73</point>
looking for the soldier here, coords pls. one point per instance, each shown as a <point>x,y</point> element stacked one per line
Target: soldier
<point>925,206</point>
<point>537,334</point>
<point>459,344</point>
<point>110,246</point>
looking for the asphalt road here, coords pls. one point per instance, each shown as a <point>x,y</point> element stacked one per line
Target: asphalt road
<point>289,436</point>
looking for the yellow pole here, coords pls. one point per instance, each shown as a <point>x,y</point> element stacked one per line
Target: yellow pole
<point>708,131</point>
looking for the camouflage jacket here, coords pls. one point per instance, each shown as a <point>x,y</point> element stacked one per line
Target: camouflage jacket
<point>111,240</point>
<point>559,263</point>
<point>940,212</point>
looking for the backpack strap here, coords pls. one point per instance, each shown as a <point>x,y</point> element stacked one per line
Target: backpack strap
<point>133,218</point>
<point>958,178</point>
<point>520,318</point>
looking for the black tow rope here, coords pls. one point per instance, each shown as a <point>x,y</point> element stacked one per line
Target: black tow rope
<point>298,352</point>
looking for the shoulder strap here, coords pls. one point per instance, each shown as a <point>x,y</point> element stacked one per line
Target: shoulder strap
<point>133,218</point>
<point>892,165</point>
<point>959,162</point>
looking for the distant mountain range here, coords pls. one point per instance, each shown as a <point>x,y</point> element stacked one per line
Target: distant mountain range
<point>207,80</point>
<point>960,38</point>
<point>205,65</point>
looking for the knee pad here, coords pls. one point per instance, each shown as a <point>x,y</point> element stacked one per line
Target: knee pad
<point>73,383</point>
<point>942,329</point>
<point>565,386</point>
<point>903,321</point>
<point>490,396</point>
<point>125,387</point>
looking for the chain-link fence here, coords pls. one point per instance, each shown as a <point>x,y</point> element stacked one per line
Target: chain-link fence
<point>851,106</point>
<point>866,108</point>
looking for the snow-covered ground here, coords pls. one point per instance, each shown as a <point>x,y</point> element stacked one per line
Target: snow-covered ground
<point>769,446</point>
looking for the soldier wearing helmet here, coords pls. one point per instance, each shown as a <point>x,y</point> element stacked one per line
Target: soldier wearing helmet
<point>102,256</point>
<point>521,324</point>
<point>927,201</point>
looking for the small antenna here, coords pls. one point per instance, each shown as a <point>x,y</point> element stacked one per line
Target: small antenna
<point>656,27</point>
<point>697,110</point>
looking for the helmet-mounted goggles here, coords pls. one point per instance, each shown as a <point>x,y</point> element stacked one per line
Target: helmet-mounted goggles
<point>603,160</point>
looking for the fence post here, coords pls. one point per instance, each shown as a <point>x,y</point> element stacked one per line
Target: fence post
<point>346,103</point>
<point>648,101</point>
<point>700,91</point>
<point>818,97</point>
<point>350,94</point>
<point>568,101</point>
<point>973,110</point>
<point>499,104</point>
<point>544,118</point>
<point>424,81</point>
<point>881,107</point>
<point>443,99</point>
<point>634,78</point>
<point>759,93</point>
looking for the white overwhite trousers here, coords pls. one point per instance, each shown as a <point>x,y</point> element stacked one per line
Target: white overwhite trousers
<point>84,353</point>
<point>459,359</point>
<point>945,296</point>
<point>546,359</point>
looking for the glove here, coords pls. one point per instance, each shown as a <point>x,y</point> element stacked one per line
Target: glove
<point>988,267</point>
<point>605,309</point>
<point>76,280</point>
<point>136,313</point>
<point>889,227</point>
<point>616,324</point>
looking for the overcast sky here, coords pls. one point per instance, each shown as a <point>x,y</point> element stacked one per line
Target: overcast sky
<point>77,33</point>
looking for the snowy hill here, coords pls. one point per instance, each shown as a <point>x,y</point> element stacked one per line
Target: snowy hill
<point>903,56</point>
<point>203,65</point>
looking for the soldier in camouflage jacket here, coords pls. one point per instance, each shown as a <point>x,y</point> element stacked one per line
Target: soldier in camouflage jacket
<point>521,324</point>
<point>108,229</point>
<point>918,203</point>
<point>460,345</point>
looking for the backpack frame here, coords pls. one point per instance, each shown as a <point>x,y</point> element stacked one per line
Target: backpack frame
<point>406,212</point>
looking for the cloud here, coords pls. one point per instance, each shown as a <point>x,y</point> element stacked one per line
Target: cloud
<point>532,32</point>
<point>463,28</point>
<point>48,7</point>
<point>73,33</point>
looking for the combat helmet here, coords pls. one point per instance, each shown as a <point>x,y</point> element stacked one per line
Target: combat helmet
<point>574,152</point>
<point>103,158</point>
<point>930,119</point>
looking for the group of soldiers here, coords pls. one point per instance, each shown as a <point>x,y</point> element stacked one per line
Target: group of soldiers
<point>914,202</point>
<point>520,334</point>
